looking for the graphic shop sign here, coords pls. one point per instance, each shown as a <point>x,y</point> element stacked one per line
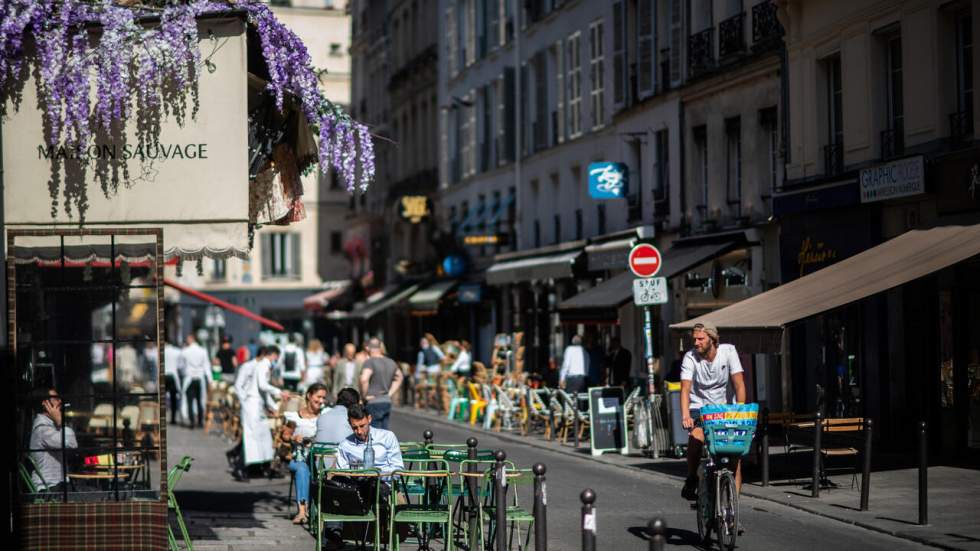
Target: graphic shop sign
<point>899,178</point>
<point>608,180</point>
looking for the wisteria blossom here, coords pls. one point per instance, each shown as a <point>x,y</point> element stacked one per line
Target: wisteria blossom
<point>129,62</point>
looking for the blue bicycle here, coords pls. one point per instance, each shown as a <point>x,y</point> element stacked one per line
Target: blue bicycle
<point>728,432</point>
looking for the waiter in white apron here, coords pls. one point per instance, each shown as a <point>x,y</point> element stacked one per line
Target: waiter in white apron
<point>256,395</point>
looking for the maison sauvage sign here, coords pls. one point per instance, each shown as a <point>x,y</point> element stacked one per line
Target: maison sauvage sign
<point>894,179</point>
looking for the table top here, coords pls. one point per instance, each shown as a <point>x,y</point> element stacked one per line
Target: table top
<point>92,476</point>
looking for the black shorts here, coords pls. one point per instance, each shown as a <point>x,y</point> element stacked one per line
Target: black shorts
<point>696,415</point>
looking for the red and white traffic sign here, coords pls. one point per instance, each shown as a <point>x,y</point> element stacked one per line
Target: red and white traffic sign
<point>644,260</point>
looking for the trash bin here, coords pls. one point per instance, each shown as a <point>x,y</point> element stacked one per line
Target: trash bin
<point>678,434</point>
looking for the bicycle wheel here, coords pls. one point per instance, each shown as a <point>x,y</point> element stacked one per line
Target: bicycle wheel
<point>705,509</point>
<point>727,523</point>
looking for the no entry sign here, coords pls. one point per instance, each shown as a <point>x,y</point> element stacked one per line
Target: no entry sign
<point>644,260</point>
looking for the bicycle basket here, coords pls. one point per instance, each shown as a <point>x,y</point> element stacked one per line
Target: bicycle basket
<point>728,429</point>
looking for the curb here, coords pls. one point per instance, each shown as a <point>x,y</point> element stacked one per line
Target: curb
<point>745,488</point>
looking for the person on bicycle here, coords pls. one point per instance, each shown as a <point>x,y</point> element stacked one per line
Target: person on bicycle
<point>711,373</point>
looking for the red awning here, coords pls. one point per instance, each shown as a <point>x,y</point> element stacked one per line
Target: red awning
<point>226,305</point>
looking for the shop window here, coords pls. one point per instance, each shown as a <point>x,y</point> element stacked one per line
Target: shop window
<point>86,365</point>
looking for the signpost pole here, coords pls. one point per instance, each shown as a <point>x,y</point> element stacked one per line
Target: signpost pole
<point>651,376</point>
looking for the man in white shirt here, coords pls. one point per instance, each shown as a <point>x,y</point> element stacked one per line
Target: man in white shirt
<point>49,439</point>
<point>462,364</point>
<point>257,398</point>
<point>196,372</point>
<point>711,373</point>
<point>574,367</point>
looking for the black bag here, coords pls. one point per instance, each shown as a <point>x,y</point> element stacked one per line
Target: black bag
<point>289,362</point>
<point>345,496</point>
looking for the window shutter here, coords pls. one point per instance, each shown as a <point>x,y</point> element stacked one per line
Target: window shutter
<point>294,255</point>
<point>560,90</point>
<point>677,41</point>
<point>645,59</point>
<point>266,255</point>
<point>451,44</point>
<point>471,136</point>
<point>619,53</point>
<point>470,32</point>
<point>509,153</point>
<point>525,130</point>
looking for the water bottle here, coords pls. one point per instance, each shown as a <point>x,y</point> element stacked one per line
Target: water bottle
<point>369,453</point>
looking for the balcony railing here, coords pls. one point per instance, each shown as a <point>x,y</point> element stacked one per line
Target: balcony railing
<point>892,143</point>
<point>731,35</point>
<point>960,124</point>
<point>700,51</point>
<point>767,32</point>
<point>833,159</point>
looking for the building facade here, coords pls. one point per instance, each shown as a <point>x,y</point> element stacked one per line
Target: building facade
<point>288,263</point>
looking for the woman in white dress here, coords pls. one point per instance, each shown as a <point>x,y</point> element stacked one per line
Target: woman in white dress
<point>316,359</point>
<point>303,433</point>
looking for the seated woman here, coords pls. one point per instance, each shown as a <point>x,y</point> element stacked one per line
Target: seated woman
<point>305,430</point>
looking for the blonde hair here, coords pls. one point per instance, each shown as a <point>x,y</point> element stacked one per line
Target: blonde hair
<point>315,346</point>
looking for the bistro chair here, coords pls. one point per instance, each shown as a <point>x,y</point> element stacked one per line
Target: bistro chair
<point>372,516</point>
<point>432,510</point>
<point>518,481</point>
<point>478,405</point>
<point>173,477</point>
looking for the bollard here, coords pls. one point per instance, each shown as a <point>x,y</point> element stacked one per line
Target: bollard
<point>500,482</point>
<point>817,433</point>
<point>866,467</point>
<point>427,436</point>
<point>658,534</point>
<point>588,520</point>
<point>575,426</point>
<point>471,488</point>
<point>765,446</point>
<point>540,508</point>
<point>923,474</point>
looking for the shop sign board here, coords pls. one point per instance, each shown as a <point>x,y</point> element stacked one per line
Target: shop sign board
<point>608,180</point>
<point>644,260</point>
<point>648,291</point>
<point>899,178</point>
<point>607,418</point>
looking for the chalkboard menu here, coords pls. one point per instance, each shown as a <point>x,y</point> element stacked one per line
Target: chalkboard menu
<point>608,420</point>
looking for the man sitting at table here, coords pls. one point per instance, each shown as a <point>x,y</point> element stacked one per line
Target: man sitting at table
<point>332,426</point>
<point>49,437</point>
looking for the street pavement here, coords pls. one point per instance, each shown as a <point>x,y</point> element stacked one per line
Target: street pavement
<point>628,499</point>
<point>226,515</point>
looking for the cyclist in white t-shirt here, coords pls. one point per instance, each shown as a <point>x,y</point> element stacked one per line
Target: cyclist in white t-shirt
<point>711,373</point>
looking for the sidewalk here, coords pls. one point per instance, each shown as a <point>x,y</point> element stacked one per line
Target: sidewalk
<point>954,499</point>
<point>222,514</point>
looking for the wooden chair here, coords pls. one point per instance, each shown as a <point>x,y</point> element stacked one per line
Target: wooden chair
<point>538,411</point>
<point>843,436</point>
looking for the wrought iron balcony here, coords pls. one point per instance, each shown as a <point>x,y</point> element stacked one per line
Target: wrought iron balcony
<point>731,35</point>
<point>767,32</point>
<point>892,143</point>
<point>960,124</point>
<point>700,51</point>
<point>833,159</point>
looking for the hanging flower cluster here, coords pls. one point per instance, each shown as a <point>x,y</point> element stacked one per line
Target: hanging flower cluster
<point>132,63</point>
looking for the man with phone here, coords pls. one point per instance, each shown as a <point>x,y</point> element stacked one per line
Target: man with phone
<point>49,439</point>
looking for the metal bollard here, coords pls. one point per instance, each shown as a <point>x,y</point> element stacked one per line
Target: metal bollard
<point>500,483</point>
<point>540,508</point>
<point>658,534</point>
<point>923,474</point>
<point>866,466</point>
<point>427,436</point>
<point>471,489</point>
<point>765,446</point>
<point>588,520</point>
<point>817,433</point>
<point>575,425</point>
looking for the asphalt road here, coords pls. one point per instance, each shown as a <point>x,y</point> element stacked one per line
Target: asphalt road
<point>627,500</point>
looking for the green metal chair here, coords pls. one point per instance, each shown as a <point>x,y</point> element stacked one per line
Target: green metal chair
<point>173,477</point>
<point>518,480</point>
<point>372,517</point>
<point>476,472</point>
<point>437,451</point>
<point>27,480</point>
<point>459,403</point>
<point>321,458</point>
<point>432,510</point>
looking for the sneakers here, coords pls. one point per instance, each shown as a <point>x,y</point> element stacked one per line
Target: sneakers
<point>690,489</point>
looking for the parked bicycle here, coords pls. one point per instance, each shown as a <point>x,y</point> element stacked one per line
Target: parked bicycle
<point>728,432</point>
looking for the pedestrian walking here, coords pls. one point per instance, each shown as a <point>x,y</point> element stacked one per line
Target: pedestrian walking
<point>316,361</point>
<point>257,397</point>
<point>380,380</point>
<point>574,367</point>
<point>171,371</point>
<point>347,372</point>
<point>292,363</point>
<point>227,359</point>
<point>195,373</point>
<point>620,360</point>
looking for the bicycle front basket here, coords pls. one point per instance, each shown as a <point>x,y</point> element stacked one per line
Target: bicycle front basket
<point>728,429</point>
